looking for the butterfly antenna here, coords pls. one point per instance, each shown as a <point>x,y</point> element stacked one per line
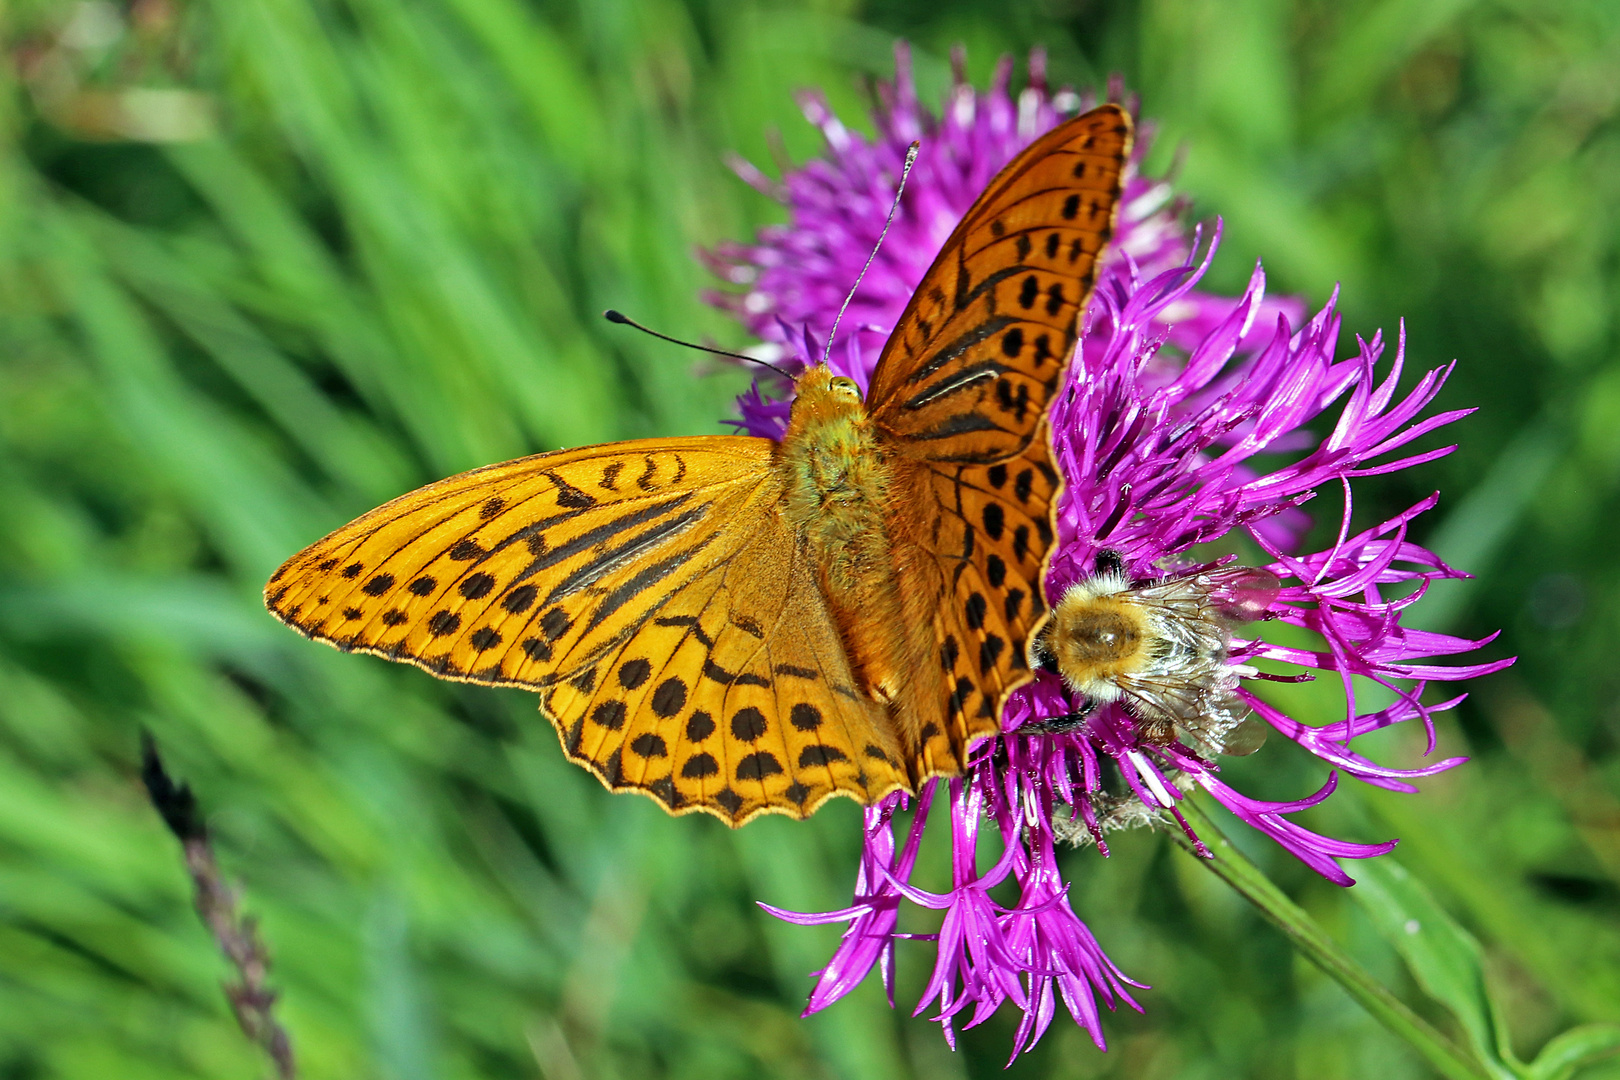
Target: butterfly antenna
<point>911,159</point>
<point>620,317</point>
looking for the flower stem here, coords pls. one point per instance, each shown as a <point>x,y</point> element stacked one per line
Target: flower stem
<point>1235,868</point>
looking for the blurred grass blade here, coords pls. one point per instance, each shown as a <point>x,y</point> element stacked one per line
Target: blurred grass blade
<point>1577,1047</point>
<point>1471,535</point>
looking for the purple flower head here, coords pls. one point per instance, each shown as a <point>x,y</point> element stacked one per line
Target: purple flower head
<point>1172,395</point>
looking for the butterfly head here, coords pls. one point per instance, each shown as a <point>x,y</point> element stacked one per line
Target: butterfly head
<point>828,408</point>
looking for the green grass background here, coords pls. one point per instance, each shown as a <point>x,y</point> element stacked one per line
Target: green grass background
<point>385,264</point>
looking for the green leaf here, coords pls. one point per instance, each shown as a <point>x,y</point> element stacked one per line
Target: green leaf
<point>1576,1047</point>
<point>1449,964</point>
<point>1444,958</point>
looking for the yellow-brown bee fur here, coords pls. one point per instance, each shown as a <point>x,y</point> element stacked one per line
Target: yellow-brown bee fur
<point>1160,648</point>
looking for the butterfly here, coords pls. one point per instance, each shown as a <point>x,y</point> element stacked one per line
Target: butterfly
<point>741,626</point>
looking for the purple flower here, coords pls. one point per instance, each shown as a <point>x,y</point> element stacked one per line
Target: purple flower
<point>797,275</point>
<point>1172,395</point>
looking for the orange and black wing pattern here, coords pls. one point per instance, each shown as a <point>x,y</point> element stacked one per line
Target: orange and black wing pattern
<point>961,393</point>
<point>652,595</point>
<point>978,353</point>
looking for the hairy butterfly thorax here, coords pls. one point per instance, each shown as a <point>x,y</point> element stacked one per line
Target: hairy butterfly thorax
<point>739,626</point>
<point>838,482</point>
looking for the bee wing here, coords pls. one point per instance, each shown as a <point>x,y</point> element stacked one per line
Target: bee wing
<point>1237,594</point>
<point>1163,698</point>
<point>1243,593</point>
<point>1214,719</point>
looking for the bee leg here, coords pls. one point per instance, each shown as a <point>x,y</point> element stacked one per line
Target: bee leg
<point>1110,561</point>
<point>1040,651</point>
<point>1156,731</point>
<point>1059,725</point>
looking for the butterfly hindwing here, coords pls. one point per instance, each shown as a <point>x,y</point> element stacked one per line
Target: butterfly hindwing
<point>978,353</point>
<point>735,698</point>
<point>989,539</point>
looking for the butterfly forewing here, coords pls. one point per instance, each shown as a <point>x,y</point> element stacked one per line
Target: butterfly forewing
<point>484,576</point>
<point>981,348</point>
<point>962,391</point>
<point>648,590</point>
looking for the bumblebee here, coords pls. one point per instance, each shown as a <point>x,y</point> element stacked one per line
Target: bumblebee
<point>1159,648</point>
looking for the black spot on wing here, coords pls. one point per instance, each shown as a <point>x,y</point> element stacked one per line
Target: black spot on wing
<point>632,673</point>
<point>714,671</point>
<point>692,625</point>
<point>700,765</point>
<point>758,765</point>
<point>466,550</point>
<point>520,599</point>
<point>476,586</point>
<point>609,714</point>
<point>748,625</point>
<point>812,756</point>
<point>699,726</point>
<point>669,698</point>
<point>649,745</point>
<point>748,724</point>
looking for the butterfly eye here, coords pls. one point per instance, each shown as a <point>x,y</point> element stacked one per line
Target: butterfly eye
<point>846,386</point>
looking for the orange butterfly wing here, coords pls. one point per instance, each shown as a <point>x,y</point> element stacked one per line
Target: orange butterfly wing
<point>652,595</point>
<point>961,391</point>
<point>982,346</point>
